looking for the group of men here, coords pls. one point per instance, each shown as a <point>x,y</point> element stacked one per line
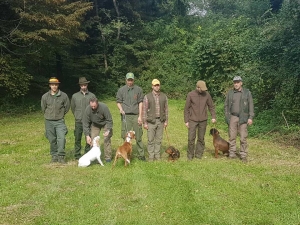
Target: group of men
<point>137,111</point>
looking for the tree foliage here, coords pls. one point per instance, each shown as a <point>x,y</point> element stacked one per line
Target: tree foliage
<point>176,41</point>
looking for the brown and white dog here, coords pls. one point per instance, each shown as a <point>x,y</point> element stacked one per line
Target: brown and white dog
<point>125,150</point>
<point>174,153</point>
<point>219,143</point>
<point>92,154</point>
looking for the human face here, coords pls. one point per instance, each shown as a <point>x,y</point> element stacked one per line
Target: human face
<point>156,87</point>
<point>199,89</point>
<point>94,105</point>
<point>83,87</point>
<point>237,85</point>
<point>54,87</point>
<point>130,82</point>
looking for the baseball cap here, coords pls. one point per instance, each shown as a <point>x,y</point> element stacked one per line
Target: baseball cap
<point>155,82</point>
<point>237,78</point>
<point>129,76</point>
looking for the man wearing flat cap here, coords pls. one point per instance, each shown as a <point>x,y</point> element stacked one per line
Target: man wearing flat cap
<point>130,103</point>
<point>239,113</point>
<point>55,104</point>
<point>79,101</point>
<point>195,118</point>
<point>155,119</point>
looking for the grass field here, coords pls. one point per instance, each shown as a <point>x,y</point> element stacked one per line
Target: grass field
<point>266,190</point>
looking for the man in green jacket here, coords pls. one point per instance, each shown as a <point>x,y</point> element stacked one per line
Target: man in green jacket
<point>95,118</point>
<point>195,118</point>
<point>55,104</point>
<point>130,103</point>
<point>155,119</point>
<point>79,101</point>
<point>239,113</point>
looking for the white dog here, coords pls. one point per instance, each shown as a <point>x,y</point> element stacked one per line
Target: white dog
<point>91,155</point>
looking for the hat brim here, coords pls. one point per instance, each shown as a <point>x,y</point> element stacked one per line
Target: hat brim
<point>86,82</point>
<point>54,82</point>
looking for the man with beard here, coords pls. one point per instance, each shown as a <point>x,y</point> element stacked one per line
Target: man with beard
<point>96,117</point>
<point>79,101</point>
<point>195,118</point>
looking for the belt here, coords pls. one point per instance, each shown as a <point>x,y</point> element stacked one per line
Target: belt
<point>235,114</point>
<point>130,114</point>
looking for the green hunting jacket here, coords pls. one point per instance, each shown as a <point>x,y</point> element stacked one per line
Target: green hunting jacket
<point>56,106</point>
<point>99,118</point>
<point>246,110</point>
<point>130,98</point>
<point>79,102</point>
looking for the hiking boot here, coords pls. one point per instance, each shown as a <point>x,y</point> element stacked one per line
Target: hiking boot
<point>54,159</point>
<point>244,160</point>
<point>61,159</point>
<point>142,158</point>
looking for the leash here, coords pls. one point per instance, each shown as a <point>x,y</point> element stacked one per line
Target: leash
<point>167,135</point>
<point>124,121</point>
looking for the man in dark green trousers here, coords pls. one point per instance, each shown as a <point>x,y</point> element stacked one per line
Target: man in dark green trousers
<point>55,104</point>
<point>79,101</point>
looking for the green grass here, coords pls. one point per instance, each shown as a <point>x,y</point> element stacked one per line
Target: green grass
<point>266,190</point>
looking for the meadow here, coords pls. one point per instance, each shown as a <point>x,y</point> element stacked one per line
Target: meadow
<point>266,190</point>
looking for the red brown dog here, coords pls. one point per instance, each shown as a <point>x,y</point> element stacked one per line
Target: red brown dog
<point>219,143</point>
<point>125,150</point>
<point>174,153</point>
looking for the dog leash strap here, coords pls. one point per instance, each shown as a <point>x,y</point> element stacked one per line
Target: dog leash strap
<point>167,136</point>
<point>124,121</point>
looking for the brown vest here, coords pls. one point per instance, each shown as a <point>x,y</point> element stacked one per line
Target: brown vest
<point>151,107</point>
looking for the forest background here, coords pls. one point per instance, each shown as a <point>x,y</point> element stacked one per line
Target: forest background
<point>175,41</point>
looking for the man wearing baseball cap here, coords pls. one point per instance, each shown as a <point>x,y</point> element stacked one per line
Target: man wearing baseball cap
<point>55,104</point>
<point>155,118</point>
<point>130,103</point>
<point>239,113</point>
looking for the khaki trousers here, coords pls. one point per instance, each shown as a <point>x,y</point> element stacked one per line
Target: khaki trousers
<point>155,134</point>
<point>95,131</point>
<point>233,130</point>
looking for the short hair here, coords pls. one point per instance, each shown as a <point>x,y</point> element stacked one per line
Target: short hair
<point>93,99</point>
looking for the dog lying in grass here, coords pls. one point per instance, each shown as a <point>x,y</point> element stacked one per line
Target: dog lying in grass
<point>125,150</point>
<point>219,143</point>
<point>174,153</point>
<point>91,155</point>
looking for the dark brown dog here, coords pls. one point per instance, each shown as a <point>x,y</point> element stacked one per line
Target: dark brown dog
<point>219,143</point>
<point>174,153</point>
<point>125,150</point>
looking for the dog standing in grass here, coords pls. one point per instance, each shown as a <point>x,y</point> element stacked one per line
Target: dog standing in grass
<point>219,143</point>
<point>91,155</point>
<point>174,153</point>
<point>125,150</point>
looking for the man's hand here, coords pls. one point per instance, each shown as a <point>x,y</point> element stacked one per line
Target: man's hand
<point>106,133</point>
<point>213,120</point>
<point>140,120</point>
<point>249,122</point>
<point>89,140</point>
<point>187,125</point>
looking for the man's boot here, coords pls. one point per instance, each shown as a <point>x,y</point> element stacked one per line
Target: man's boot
<point>61,159</point>
<point>54,159</point>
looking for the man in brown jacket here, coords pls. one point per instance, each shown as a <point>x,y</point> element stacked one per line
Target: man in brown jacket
<point>195,118</point>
